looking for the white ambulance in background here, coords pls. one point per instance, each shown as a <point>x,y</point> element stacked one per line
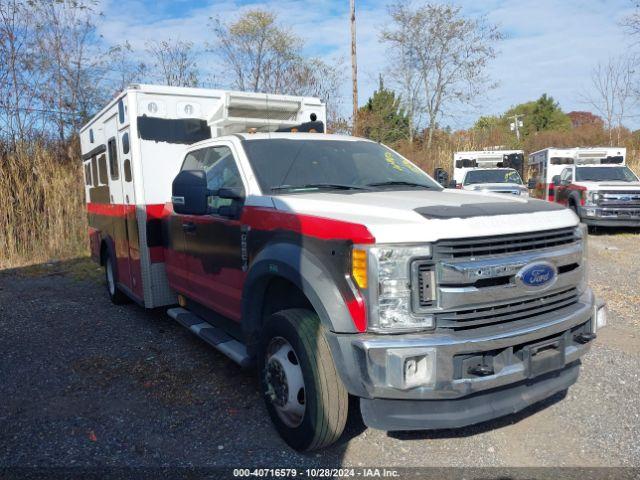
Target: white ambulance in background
<point>494,171</point>
<point>548,163</point>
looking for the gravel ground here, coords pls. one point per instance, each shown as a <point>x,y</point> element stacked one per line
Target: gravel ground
<point>84,382</point>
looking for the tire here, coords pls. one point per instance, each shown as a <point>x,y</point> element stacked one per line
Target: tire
<point>295,349</point>
<point>116,295</point>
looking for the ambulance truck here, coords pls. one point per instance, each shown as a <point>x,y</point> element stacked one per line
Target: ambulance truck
<point>333,264</point>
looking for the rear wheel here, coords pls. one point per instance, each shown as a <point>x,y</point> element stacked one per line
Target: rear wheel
<point>304,395</point>
<point>115,294</point>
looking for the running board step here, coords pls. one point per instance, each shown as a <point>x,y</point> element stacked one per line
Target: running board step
<point>214,336</point>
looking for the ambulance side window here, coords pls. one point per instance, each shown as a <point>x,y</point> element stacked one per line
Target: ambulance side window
<point>113,158</point>
<point>127,170</point>
<point>121,111</point>
<point>102,169</point>
<point>125,143</point>
<point>87,173</point>
<point>94,171</point>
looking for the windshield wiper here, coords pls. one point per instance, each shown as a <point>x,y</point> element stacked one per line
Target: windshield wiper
<point>399,183</point>
<point>323,186</point>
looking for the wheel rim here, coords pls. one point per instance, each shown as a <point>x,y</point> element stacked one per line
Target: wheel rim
<point>285,382</point>
<point>110,281</point>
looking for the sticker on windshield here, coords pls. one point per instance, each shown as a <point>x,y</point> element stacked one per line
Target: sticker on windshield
<point>392,161</point>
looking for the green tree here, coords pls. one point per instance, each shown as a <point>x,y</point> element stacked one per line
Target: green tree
<point>488,122</point>
<point>539,115</point>
<point>382,118</point>
<point>547,115</point>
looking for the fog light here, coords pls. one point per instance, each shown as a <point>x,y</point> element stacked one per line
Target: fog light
<point>410,367</point>
<point>601,316</point>
<point>590,212</point>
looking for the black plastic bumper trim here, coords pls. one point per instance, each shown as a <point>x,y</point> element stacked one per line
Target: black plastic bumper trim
<point>395,415</point>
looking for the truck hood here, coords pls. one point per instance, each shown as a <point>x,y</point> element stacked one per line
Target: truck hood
<point>595,186</point>
<point>428,216</point>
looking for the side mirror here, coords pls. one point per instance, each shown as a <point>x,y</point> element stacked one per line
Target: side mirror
<point>189,192</point>
<point>441,176</point>
<point>556,180</point>
<point>533,183</point>
<point>453,184</point>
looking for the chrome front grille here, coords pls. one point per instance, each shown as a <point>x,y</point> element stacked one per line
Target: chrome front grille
<point>503,244</point>
<point>506,312</point>
<point>620,198</point>
<point>474,282</point>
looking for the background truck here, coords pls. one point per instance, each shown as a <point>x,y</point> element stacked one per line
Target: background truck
<point>600,194</point>
<point>499,171</point>
<point>547,164</point>
<point>334,264</point>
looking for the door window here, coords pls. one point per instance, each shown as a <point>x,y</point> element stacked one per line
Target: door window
<point>565,176</point>
<point>221,171</point>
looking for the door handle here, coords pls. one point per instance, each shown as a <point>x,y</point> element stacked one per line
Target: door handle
<point>189,227</point>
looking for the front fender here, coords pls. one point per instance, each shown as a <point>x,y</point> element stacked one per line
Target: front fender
<point>305,270</point>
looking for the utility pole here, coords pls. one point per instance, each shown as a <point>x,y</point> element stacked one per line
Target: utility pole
<point>516,124</point>
<point>354,66</point>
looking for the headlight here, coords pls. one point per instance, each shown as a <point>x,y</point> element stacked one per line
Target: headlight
<point>592,198</point>
<point>387,288</point>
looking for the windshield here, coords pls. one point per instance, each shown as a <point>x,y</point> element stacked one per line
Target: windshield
<point>599,174</point>
<point>492,176</point>
<point>289,166</point>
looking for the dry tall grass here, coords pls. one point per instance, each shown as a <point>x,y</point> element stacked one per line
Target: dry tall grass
<point>42,210</point>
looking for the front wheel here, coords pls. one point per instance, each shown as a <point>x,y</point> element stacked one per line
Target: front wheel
<point>304,395</point>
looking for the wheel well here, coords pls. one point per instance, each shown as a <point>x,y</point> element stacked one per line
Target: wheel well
<point>281,294</point>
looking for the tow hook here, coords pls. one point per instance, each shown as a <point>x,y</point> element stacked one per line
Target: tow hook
<point>583,338</point>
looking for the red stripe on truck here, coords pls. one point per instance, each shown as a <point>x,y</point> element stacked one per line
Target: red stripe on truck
<point>154,212</point>
<point>323,228</point>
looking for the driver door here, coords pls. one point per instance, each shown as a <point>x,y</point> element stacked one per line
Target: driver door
<point>213,241</point>
<point>562,190</point>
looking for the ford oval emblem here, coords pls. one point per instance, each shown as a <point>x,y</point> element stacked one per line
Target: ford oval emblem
<point>537,276</point>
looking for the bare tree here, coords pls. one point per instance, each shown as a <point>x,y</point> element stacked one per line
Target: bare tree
<point>632,22</point>
<point>449,52</point>
<point>18,77</point>
<point>69,63</point>
<point>175,62</point>
<point>613,93</point>
<point>405,75</point>
<point>258,52</point>
<point>261,55</point>
<point>123,67</point>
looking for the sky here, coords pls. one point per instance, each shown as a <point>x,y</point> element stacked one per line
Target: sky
<point>550,46</point>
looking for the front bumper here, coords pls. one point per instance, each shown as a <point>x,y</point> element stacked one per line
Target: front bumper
<point>362,361</point>
<point>393,415</point>
<point>610,216</point>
